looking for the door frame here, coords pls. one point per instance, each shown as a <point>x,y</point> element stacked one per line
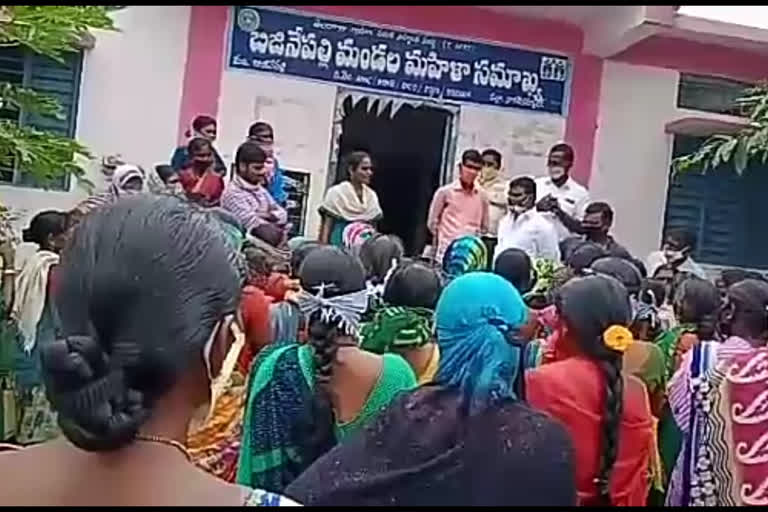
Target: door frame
<point>451,134</point>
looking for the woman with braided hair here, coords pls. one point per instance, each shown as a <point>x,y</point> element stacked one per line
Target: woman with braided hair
<point>304,398</point>
<point>643,358</point>
<point>607,414</point>
<point>147,309</point>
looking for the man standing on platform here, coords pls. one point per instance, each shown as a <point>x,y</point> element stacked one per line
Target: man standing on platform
<point>494,184</point>
<point>459,208</point>
<point>562,200</point>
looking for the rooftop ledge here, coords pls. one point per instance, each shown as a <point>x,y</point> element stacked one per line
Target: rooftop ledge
<point>704,124</point>
<point>718,32</point>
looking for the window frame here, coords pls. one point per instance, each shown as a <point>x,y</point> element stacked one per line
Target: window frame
<point>711,80</point>
<point>17,180</point>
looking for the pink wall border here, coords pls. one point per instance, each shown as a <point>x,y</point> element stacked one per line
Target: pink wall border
<point>695,57</point>
<point>203,70</point>
<point>207,50</point>
<point>583,111</point>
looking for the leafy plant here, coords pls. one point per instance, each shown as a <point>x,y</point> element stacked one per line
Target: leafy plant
<point>748,143</point>
<point>51,31</point>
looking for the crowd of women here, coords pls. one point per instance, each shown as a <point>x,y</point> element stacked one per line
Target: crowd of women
<point>174,349</point>
<point>167,342</point>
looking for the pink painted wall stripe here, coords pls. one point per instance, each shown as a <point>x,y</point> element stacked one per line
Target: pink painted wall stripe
<point>206,51</point>
<point>581,125</point>
<point>695,57</point>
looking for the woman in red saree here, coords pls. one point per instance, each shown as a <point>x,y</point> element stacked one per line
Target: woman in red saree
<point>607,414</point>
<point>201,183</point>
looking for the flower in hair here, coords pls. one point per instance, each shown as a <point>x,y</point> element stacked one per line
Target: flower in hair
<point>618,338</point>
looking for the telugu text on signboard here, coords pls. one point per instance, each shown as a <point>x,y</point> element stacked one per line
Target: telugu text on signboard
<point>397,61</point>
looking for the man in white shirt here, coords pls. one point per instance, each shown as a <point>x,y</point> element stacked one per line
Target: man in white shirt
<point>562,200</point>
<point>523,227</point>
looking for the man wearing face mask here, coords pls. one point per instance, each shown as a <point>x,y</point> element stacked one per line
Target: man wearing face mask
<point>494,184</point>
<point>675,255</point>
<point>561,199</point>
<point>459,208</point>
<point>523,227</point>
<point>596,226</point>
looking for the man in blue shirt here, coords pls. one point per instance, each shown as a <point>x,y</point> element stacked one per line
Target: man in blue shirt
<point>262,134</point>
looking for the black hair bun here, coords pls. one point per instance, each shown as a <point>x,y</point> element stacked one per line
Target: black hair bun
<point>26,236</point>
<point>96,410</point>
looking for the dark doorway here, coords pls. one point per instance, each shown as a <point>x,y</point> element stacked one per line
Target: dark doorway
<point>407,152</point>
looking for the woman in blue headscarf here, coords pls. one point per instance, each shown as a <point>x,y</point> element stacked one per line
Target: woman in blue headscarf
<point>476,320</point>
<point>468,435</point>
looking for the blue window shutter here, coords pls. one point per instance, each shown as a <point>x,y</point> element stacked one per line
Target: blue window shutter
<point>722,208</point>
<point>11,71</point>
<point>60,81</point>
<point>709,206</point>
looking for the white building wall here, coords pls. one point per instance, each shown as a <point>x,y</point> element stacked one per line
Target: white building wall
<point>130,95</point>
<point>630,169</point>
<point>523,138</point>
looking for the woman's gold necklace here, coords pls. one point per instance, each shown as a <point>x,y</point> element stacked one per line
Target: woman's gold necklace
<point>164,440</point>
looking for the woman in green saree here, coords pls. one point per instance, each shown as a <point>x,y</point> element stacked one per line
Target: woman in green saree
<point>304,398</point>
<point>33,314</point>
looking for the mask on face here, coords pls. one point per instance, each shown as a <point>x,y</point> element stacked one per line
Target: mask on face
<point>674,256</point>
<point>488,173</point>
<point>591,229</point>
<point>556,172</point>
<point>219,382</point>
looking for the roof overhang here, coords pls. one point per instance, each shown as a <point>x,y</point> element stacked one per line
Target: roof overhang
<point>609,30</point>
<point>610,35</point>
<point>720,33</point>
<point>699,124</point>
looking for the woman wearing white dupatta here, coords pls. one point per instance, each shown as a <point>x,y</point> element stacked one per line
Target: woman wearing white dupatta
<point>350,201</point>
<point>35,319</point>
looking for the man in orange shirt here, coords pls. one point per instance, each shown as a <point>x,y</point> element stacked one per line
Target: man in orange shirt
<point>459,208</point>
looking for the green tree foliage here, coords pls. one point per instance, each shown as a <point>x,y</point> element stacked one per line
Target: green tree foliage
<point>52,31</point>
<point>747,144</point>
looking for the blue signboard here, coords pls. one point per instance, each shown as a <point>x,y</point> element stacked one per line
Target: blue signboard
<point>396,61</point>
